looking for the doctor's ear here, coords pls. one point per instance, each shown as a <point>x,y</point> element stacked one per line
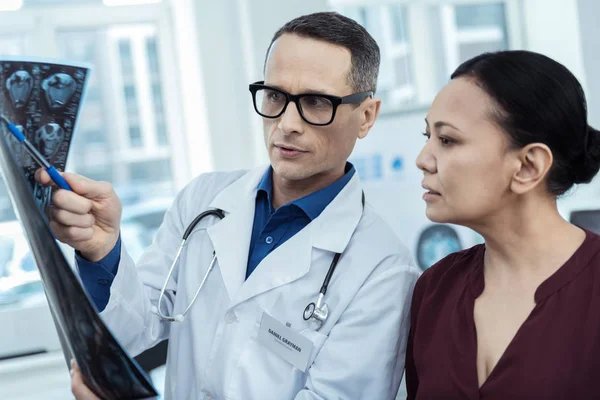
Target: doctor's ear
<point>533,163</point>
<point>369,110</point>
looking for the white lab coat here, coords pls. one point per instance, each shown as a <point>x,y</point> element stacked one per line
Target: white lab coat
<point>214,354</point>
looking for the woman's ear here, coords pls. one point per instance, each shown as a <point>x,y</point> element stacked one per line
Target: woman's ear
<point>535,161</point>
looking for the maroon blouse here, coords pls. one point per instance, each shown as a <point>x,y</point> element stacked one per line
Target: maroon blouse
<point>554,355</point>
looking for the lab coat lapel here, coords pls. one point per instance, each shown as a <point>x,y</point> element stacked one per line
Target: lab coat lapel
<point>331,231</point>
<point>287,263</point>
<point>231,236</point>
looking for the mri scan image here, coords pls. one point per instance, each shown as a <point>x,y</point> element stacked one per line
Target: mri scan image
<point>44,98</point>
<point>16,147</point>
<point>435,243</point>
<point>48,139</point>
<point>59,89</point>
<point>19,86</point>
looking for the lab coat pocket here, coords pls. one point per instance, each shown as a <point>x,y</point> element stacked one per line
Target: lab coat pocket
<point>318,340</point>
<point>263,374</point>
<point>296,379</point>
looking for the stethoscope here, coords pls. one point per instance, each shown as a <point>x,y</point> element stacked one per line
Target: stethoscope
<point>316,311</point>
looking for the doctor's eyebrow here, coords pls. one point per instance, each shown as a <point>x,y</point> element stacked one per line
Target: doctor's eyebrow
<point>304,91</point>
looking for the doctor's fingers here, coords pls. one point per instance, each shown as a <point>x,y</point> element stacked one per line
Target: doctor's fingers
<point>68,218</point>
<point>69,201</point>
<point>71,235</point>
<point>78,388</point>
<point>86,187</point>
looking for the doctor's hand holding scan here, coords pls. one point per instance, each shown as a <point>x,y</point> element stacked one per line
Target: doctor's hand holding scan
<point>87,218</point>
<point>275,283</point>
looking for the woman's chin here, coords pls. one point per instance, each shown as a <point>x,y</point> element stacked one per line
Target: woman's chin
<point>434,214</point>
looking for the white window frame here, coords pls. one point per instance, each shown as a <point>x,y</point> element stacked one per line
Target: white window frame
<point>137,36</point>
<point>455,37</point>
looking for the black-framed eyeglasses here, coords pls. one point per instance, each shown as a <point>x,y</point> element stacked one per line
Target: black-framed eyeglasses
<point>316,109</point>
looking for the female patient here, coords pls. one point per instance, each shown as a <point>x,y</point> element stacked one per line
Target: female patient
<point>519,316</point>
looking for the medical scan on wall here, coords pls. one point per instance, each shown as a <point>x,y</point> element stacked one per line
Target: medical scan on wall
<point>44,100</point>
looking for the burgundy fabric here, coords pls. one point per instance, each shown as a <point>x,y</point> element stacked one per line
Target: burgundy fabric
<point>554,355</point>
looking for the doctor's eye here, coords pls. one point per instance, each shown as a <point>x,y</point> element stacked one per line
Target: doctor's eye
<point>273,96</point>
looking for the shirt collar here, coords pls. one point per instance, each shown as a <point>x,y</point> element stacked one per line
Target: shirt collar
<point>314,203</point>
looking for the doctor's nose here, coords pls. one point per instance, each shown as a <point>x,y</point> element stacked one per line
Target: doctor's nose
<point>291,121</point>
<point>426,161</point>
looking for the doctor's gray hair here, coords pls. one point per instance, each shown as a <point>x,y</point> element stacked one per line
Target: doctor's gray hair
<point>337,29</point>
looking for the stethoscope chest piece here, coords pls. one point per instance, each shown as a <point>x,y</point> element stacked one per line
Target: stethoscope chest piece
<point>309,311</point>
<point>317,312</point>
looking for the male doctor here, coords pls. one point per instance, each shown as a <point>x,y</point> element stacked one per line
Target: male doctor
<point>249,333</point>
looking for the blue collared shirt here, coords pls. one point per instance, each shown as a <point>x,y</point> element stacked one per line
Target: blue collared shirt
<point>270,230</point>
<point>272,227</point>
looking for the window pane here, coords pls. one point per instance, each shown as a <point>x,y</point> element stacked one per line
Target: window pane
<point>7,246</point>
<point>11,45</point>
<point>402,66</point>
<point>480,15</point>
<point>152,51</point>
<point>135,136</point>
<point>150,171</point>
<point>109,133</point>
<point>91,144</point>
<point>388,24</point>
<point>421,43</point>
<point>399,22</point>
<point>157,95</point>
<point>6,210</point>
<point>126,59</point>
<point>470,50</point>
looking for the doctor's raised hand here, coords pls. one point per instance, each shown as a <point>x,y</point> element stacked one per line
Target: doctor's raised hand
<point>87,218</point>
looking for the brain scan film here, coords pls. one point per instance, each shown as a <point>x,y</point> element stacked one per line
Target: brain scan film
<point>59,89</point>
<point>49,138</point>
<point>19,86</point>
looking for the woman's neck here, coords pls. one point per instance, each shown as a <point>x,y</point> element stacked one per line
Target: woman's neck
<point>529,240</point>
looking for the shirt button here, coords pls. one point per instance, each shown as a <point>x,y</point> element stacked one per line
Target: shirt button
<point>103,281</point>
<point>269,240</point>
<point>230,317</point>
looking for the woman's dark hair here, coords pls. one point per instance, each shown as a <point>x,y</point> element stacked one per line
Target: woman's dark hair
<point>538,100</point>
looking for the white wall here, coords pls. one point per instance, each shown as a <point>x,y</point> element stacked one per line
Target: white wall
<point>568,31</point>
<point>589,28</point>
<point>551,27</point>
